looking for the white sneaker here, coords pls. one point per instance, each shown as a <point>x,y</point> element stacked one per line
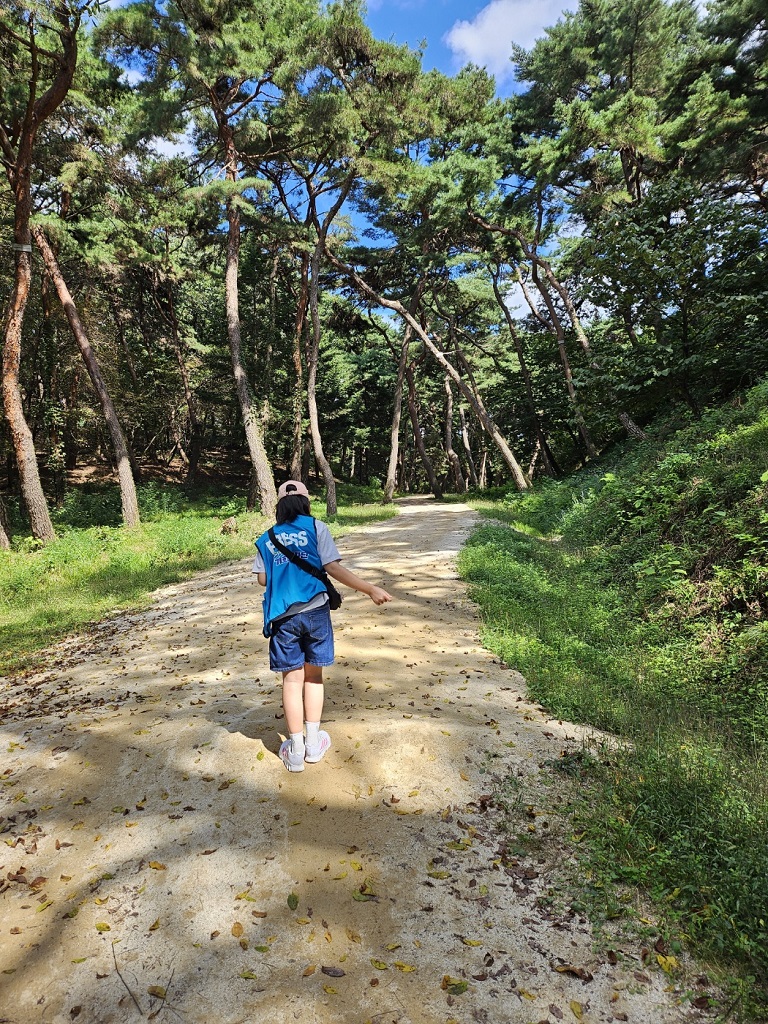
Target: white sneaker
<point>293,762</point>
<point>314,754</point>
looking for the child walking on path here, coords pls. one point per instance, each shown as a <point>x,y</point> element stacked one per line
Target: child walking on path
<point>297,618</point>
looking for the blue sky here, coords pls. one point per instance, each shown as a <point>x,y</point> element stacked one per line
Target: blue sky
<point>461,31</point>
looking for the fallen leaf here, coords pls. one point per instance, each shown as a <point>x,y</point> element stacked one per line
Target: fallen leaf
<point>577,1009</point>
<point>102,926</point>
<point>293,901</point>
<point>405,968</point>
<point>472,942</point>
<point>157,991</point>
<point>333,972</point>
<point>309,971</point>
<point>353,936</point>
<point>249,976</point>
<point>157,866</point>
<point>259,913</point>
<point>155,925</point>
<point>577,972</point>
<point>237,929</point>
<point>454,986</point>
<point>330,990</point>
<point>380,965</point>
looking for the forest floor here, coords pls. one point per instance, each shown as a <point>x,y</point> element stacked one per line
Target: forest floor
<point>161,863</point>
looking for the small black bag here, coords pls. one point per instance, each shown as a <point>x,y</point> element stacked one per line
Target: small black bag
<point>334,597</point>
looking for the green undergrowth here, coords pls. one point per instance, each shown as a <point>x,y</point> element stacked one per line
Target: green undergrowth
<point>95,567</point>
<point>632,596</point>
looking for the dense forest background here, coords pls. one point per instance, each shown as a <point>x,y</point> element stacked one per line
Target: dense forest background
<point>251,238</point>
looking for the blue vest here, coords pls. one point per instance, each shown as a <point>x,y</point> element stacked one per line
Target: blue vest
<point>286,583</point>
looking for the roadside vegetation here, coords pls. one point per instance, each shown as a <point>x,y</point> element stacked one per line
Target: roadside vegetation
<point>95,567</point>
<point>632,597</point>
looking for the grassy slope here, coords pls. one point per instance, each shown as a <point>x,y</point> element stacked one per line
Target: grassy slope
<point>633,597</point>
<point>92,570</point>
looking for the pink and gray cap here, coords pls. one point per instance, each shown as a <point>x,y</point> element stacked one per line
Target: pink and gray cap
<point>292,487</point>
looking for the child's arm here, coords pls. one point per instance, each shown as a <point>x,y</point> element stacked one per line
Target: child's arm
<point>261,579</point>
<point>343,575</point>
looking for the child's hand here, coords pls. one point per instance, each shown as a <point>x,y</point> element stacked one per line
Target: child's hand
<point>379,596</point>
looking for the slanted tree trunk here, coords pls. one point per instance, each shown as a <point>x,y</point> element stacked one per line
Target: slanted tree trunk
<point>453,458</point>
<point>298,391</point>
<point>557,325</point>
<point>475,401</point>
<point>18,166</point>
<point>265,483</point>
<point>413,411</point>
<point>314,361</point>
<point>122,458</point>
<point>397,408</point>
<point>527,380</point>
<point>472,472</point>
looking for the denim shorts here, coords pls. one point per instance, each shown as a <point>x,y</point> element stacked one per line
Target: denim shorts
<point>305,637</point>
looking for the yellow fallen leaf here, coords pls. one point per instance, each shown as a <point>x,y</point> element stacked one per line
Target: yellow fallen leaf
<point>353,936</point>
<point>405,968</point>
<point>577,1009</point>
<point>414,792</point>
<point>337,878</point>
<point>303,920</point>
<point>157,991</point>
<point>392,946</point>
<point>472,942</point>
<point>237,929</point>
<point>309,971</point>
<point>464,776</point>
<point>355,865</point>
<point>155,925</point>
<point>667,963</point>
<point>330,990</point>
<point>526,994</point>
<point>380,965</point>
<point>157,866</point>
<point>260,756</point>
<point>249,976</point>
<point>102,926</point>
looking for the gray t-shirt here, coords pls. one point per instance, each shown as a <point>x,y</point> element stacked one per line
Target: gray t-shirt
<point>328,552</point>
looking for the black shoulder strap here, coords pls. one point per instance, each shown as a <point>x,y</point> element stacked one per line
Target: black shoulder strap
<point>302,563</point>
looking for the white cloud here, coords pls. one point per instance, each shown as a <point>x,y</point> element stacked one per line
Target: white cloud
<point>487,39</point>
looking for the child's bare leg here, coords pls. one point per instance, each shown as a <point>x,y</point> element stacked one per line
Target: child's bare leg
<point>314,693</point>
<point>318,742</point>
<point>293,700</point>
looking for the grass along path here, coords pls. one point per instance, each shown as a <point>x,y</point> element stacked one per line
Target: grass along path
<point>152,829</point>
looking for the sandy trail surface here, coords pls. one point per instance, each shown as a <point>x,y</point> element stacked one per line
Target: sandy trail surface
<point>159,862</point>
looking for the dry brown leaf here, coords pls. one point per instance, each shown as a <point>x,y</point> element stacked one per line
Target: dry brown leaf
<point>237,929</point>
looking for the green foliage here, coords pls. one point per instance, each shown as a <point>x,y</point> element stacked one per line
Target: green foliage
<point>632,597</point>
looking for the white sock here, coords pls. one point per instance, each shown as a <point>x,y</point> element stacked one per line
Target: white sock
<point>313,733</point>
<point>297,742</point>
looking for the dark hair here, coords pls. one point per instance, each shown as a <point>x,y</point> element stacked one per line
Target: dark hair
<point>290,506</point>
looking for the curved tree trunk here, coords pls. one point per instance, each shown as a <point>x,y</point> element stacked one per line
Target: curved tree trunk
<point>314,359</point>
<point>566,364</point>
<point>18,167</point>
<point>476,403</point>
<point>298,391</point>
<point>125,475</point>
<point>259,460</point>
<point>520,352</point>
<point>397,408</point>
<point>413,410</point>
<point>21,435</point>
<point>453,458</point>
<point>468,448</point>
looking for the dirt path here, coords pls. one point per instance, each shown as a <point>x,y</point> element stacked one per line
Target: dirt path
<point>168,850</point>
